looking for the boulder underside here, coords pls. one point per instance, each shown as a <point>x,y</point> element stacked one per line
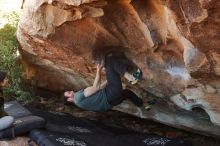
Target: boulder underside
<point>175,43</point>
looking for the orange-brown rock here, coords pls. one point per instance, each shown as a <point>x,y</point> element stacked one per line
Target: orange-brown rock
<point>175,43</point>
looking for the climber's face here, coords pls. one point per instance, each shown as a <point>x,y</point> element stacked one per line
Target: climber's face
<point>4,83</point>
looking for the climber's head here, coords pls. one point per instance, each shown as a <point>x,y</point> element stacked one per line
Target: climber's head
<point>69,95</point>
<point>3,79</point>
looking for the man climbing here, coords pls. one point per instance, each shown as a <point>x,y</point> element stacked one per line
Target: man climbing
<point>5,120</point>
<point>99,97</point>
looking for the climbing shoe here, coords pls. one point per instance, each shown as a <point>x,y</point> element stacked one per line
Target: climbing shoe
<point>150,104</point>
<point>137,75</point>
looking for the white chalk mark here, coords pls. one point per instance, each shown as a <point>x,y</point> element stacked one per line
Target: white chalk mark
<point>71,142</point>
<point>156,141</point>
<point>177,71</point>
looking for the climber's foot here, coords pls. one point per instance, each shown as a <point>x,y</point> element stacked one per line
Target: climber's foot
<point>150,104</point>
<point>137,75</point>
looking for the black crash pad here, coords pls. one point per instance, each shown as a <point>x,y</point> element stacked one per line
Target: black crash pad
<point>64,129</point>
<point>16,110</point>
<point>24,120</point>
<point>48,138</point>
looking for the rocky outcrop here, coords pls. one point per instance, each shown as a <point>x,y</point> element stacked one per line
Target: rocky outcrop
<point>175,43</point>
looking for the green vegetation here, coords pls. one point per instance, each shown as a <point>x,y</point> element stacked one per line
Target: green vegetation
<point>9,59</point>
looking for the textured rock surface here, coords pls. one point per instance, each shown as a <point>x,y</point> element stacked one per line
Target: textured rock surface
<point>175,43</point>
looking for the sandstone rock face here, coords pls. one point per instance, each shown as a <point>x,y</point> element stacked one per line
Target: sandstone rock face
<point>175,43</point>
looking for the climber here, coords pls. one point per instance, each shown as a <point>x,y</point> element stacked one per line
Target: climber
<point>103,96</point>
<point>5,120</point>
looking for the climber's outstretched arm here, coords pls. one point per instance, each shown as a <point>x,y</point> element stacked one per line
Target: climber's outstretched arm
<point>96,84</point>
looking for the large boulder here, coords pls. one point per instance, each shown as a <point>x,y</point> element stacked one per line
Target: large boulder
<point>175,43</point>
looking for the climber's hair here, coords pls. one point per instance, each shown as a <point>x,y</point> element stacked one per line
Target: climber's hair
<point>3,75</point>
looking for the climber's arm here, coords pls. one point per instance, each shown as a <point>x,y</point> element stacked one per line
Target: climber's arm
<point>96,84</point>
<point>103,85</point>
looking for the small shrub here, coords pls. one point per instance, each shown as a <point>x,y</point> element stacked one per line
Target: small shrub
<point>9,60</point>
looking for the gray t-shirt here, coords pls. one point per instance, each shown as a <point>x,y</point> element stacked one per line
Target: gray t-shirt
<point>96,102</point>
